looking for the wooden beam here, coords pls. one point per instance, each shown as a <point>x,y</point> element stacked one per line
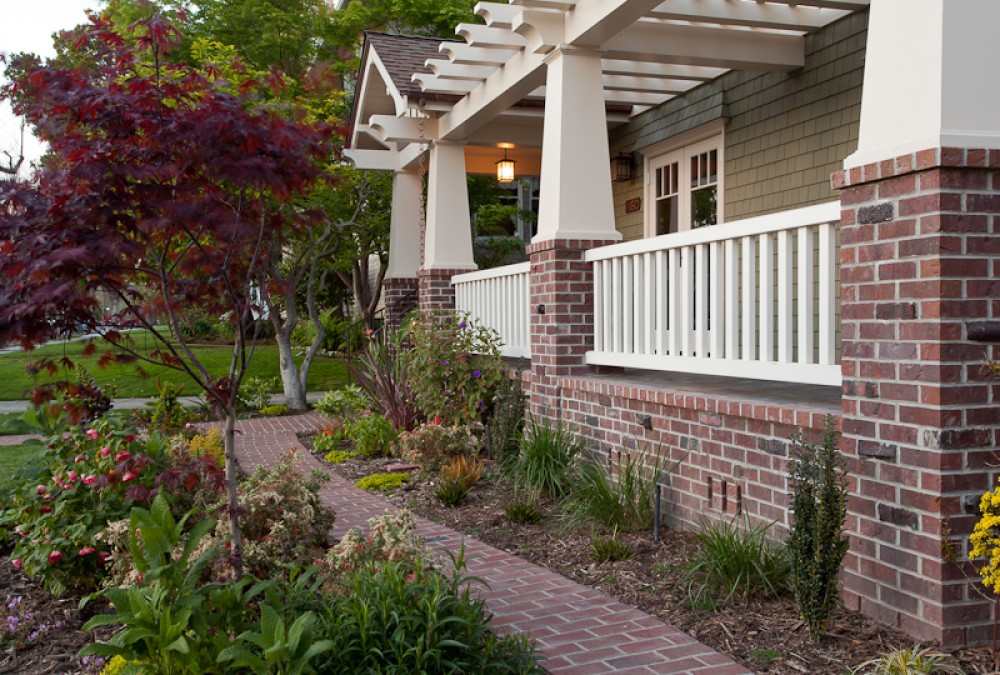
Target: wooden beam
<point>753,15</point>
<point>448,70</point>
<point>475,56</point>
<point>388,128</point>
<point>647,84</point>
<point>484,36</point>
<point>440,85</point>
<point>667,71</point>
<point>495,14</point>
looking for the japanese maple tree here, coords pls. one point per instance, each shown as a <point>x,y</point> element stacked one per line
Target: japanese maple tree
<point>162,188</point>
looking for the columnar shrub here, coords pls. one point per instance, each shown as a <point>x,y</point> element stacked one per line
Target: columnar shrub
<point>455,366</point>
<point>817,544</point>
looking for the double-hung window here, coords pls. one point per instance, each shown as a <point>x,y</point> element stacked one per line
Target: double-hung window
<point>684,185</point>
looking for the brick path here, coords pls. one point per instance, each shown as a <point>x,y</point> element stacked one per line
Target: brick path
<point>578,629</point>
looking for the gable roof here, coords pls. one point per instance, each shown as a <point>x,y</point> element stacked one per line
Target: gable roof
<point>403,56</point>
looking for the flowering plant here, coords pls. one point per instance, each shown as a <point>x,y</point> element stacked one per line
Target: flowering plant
<point>455,366</point>
<point>390,539</point>
<point>985,540</point>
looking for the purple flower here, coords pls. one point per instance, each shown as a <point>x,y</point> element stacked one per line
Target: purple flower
<point>476,374</point>
<point>445,362</point>
<point>462,325</point>
<point>481,405</point>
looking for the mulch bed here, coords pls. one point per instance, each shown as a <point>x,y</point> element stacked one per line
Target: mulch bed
<point>766,636</point>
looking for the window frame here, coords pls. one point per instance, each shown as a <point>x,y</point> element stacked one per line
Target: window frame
<point>680,149</point>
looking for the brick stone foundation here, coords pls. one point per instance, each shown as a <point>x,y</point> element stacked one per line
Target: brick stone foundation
<point>436,291</point>
<point>920,272</point>
<point>400,296</point>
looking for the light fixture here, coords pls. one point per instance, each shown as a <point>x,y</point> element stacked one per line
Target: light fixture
<point>621,168</point>
<point>505,168</point>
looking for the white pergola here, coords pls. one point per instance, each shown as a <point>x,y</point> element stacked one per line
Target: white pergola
<point>550,77</point>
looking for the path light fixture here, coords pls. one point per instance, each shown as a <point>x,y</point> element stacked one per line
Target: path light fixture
<point>621,168</point>
<point>505,166</point>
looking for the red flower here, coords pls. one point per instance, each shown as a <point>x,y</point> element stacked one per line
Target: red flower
<point>79,458</point>
<point>102,557</point>
<point>46,509</point>
<point>105,451</point>
<point>127,476</point>
<point>72,475</point>
<point>122,456</point>
<point>16,562</point>
<point>93,434</point>
<point>130,438</point>
<point>86,550</point>
<point>54,557</point>
<point>89,480</point>
<point>40,489</point>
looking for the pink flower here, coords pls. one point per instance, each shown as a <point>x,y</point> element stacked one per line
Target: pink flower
<point>130,438</point>
<point>54,557</point>
<point>105,451</point>
<point>92,434</point>
<point>16,562</point>
<point>127,476</point>
<point>187,426</point>
<point>79,458</point>
<point>46,509</point>
<point>89,480</point>
<point>72,475</point>
<point>41,489</point>
<point>122,456</point>
<point>86,550</point>
<point>102,557</point>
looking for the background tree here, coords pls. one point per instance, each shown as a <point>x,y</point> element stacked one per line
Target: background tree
<point>161,190</point>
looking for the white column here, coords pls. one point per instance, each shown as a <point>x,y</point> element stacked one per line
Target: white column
<point>575,199</point>
<point>448,238</point>
<point>404,226</point>
<point>929,78</point>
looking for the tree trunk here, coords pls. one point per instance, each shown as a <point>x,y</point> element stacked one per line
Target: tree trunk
<point>232,476</point>
<point>295,393</point>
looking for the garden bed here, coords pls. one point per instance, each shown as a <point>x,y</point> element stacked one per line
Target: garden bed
<point>767,636</point>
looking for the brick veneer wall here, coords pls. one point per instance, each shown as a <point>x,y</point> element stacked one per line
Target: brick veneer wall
<point>920,252</point>
<point>400,295</point>
<point>436,291</point>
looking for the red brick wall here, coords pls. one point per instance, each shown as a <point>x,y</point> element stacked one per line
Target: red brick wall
<point>400,296</point>
<point>920,252</point>
<point>436,291</point>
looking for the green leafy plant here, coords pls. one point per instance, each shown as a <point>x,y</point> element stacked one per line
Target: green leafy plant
<point>383,482</point>
<point>817,543</point>
<point>458,477</point>
<point>455,366</point>
<point>167,414</point>
<point>384,378</point>
<point>523,511</point>
<point>372,435</point>
<point>431,445</point>
<point>208,446</point>
<point>506,422</point>
<point>546,458</point>
<point>348,401</point>
<point>611,549</point>
<point>274,410</point>
<point>619,495</point>
<point>329,439</point>
<point>256,391</point>
<point>915,660</point>
<point>339,456</point>
<point>734,559</point>
<point>275,648</point>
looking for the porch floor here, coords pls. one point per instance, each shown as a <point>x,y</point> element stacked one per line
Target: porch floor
<point>578,629</point>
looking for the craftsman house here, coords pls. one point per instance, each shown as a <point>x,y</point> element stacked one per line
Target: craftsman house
<point>751,215</point>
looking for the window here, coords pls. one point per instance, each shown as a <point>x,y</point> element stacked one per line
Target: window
<point>684,185</point>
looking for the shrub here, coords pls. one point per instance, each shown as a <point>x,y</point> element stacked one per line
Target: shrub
<point>451,492</point>
<point>340,403</point>
<point>339,456</point>
<point>455,366</point>
<point>985,540</point>
<point>623,498</point>
<point>546,457</point>
<point>611,549</point>
<point>383,482</point>
<point>734,560</point>
<point>506,423</point>
<point>390,538</point>
<point>911,661</point>
<point>329,439</point>
<point>431,445</point>
<point>256,391</point>
<point>457,478</point>
<point>167,415</point>
<point>817,544</point>
<point>209,446</point>
<point>274,410</point>
<point>372,435</point>
<point>523,511</point>
<point>384,378</point>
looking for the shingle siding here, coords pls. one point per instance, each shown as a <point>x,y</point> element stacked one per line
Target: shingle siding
<point>785,132</point>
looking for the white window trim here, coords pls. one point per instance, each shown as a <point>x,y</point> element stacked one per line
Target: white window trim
<point>707,135</point>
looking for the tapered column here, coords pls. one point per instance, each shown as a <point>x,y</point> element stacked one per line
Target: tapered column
<point>400,288</point>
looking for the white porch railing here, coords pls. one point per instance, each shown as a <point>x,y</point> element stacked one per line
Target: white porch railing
<point>498,298</point>
<point>754,298</point>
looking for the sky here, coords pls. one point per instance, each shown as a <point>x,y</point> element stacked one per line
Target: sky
<point>27,26</point>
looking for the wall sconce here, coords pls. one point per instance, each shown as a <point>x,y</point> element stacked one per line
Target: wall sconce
<point>505,169</point>
<point>621,168</point>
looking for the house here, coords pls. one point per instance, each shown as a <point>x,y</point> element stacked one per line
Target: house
<point>751,215</point>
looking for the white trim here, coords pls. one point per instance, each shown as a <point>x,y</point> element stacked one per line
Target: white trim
<point>495,273</point>
<point>680,149</point>
<point>804,373</point>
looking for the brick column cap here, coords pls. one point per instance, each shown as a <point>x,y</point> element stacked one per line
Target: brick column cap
<point>924,160</point>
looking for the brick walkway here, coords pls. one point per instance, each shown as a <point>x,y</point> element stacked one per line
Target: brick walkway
<point>578,629</point>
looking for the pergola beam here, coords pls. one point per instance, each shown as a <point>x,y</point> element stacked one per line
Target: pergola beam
<point>752,15</point>
<point>388,128</point>
<point>475,56</point>
<point>485,36</point>
<point>668,71</point>
<point>447,70</point>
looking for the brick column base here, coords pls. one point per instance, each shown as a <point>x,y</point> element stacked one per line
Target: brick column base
<point>920,277</point>
<point>562,318</point>
<point>400,296</point>
<point>436,291</point>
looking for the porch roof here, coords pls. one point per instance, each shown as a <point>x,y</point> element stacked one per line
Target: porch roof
<point>490,87</point>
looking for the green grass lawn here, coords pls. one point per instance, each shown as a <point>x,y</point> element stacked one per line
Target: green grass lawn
<point>13,458</point>
<point>325,373</point>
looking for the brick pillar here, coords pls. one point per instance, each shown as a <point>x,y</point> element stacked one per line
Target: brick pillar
<point>436,291</point>
<point>920,278</point>
<point>562,317</point>
<point>400,296</point>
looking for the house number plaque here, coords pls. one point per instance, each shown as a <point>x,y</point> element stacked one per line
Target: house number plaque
<point>633,205</point>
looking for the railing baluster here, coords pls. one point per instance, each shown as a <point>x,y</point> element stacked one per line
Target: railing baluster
<point>701,284</point>
<point>766,292</point>
<point>827,291</point>
<point>628,292</point>
<point>716,320</point>
<point>786,295</point>
<point>638,304</point>
<point>599,317</point>
<point>674,294</point>
<point>687,300</point>
<point>616,300</point>
<point>806,288</point>
<point>661,302</point>
<point>749,311</point>
<point>732,312</point>
<point>609,307</point>
<point>648,307</point>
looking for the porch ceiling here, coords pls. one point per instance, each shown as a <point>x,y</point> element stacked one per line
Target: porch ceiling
<point>652,51</point>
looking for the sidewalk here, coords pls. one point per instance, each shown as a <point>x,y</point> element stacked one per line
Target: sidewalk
<point>579,630</point>
<point>140,403</point>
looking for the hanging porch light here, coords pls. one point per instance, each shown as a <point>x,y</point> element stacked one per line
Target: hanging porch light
<point>621,168</point>
<point>505,168</point>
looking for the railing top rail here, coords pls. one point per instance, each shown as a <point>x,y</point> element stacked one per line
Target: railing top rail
<point>773,222</point>
<point>495,273</point>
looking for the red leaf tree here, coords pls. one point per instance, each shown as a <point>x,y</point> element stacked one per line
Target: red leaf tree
<point>162,191</point>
